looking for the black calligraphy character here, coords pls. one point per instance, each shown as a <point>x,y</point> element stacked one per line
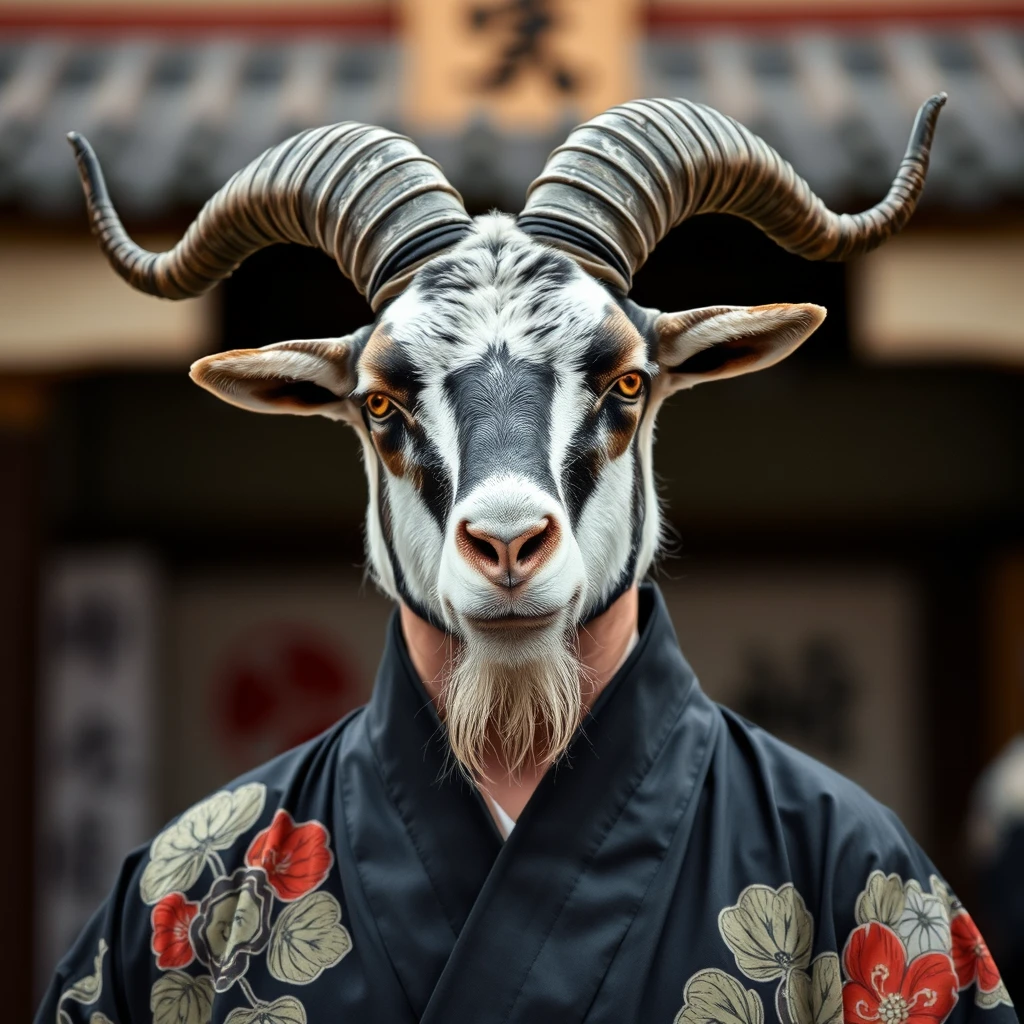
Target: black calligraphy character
<point>812,706</point>
<point>527,25</point>
<point>92,752</point>
<point>94,629</point>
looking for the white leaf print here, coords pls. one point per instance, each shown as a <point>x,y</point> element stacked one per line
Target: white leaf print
<point>940,889</point>
<point>87,990</point>
<point>714,997</point>
<point>308,938</point>
<point>287,1010</point>
<point>100,1018</point>
<point>177,855</point>
<point>178,998</point>
<point>990,1000</point>
<point>815,997</point>
<point>768,930</point>
<point>882,900</point>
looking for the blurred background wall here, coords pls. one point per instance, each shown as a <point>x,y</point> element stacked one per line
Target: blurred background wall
<point>181,584</point>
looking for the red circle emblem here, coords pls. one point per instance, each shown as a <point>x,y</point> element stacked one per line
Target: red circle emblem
<point>279,685</point>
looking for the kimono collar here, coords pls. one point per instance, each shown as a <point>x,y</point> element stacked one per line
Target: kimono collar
<point>613,747</point>
<point>439,875</point>
<point>655,677</point>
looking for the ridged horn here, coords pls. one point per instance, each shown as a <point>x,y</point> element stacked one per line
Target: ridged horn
<point>623,180</point>
<point>362,194</point>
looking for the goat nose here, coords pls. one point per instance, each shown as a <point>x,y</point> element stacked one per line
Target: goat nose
<point>512,562</point>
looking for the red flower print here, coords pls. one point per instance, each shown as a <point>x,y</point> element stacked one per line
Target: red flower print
<point>971,958</point>
<point>884,987</point>
<point>296,858</point>
<point>171,918</point>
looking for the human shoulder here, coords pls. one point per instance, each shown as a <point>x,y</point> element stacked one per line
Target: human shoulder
<point>296,786</point>
<point>860,894</point>
<point>807,795</point>
<point>264,840</point>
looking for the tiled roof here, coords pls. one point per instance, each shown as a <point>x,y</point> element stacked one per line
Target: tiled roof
<point>839,104</point>
<point>172,120</point>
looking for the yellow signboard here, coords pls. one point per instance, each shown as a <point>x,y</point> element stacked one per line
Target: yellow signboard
<point>523,64</point>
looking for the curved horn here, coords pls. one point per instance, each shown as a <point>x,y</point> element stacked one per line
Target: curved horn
<point>623,180</point>
<point>362,194</point>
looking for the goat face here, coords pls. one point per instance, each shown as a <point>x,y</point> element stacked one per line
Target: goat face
<point>509,483</point>
<point>506,401</point>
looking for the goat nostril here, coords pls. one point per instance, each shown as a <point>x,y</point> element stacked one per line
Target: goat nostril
<point>485,550</point>
<point>532,546</point>
<point>507,562</point>
<point>530,549</point>
<point>479,548</point>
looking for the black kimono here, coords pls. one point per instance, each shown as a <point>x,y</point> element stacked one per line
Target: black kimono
<point>679,865</point>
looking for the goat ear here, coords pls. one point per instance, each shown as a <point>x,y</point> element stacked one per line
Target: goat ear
<point>725,341</point>
<point>306,378</point>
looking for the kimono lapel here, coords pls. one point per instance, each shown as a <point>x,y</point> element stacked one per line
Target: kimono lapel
<point>421,839</point>
<point>570,879</point>
<point>484,931</point>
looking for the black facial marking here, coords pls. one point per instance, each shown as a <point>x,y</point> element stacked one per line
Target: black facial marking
<point>442,278</point>
<point>503,409</point>
<point>582,468</point>
<point>603,353</point>
<point>389,437</point>
<point>538,332</point>
<point>384,512</point>
<point>588,455</point>
<point>435,482</point>
<point>396,569</point>
<point>544,270</point>
<point>407,451</point>
<point>638,512</point>
<point>394,364</point>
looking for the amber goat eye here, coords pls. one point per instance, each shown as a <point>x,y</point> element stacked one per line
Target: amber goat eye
<point>629,385</point>
<point>379,405</point>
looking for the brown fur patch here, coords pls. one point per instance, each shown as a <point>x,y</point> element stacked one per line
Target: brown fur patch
<point>620,436</point>
<point>391,454</point>
<point>394,460</point>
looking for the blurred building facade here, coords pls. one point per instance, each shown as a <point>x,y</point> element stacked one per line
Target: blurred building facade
<point>181,587</point>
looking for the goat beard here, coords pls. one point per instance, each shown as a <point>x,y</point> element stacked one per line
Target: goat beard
<point>516,711</point>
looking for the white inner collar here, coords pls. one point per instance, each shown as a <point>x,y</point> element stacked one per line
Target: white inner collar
<point>504,821</point>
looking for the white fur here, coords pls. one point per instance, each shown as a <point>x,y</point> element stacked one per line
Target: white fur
<point>444,331</point>
<point>517,688</point>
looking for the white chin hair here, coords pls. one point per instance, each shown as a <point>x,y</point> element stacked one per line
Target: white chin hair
<point>517,697</point>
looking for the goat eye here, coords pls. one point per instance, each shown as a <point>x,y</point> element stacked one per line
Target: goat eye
<point>629,385</point>
<point>378,405</point>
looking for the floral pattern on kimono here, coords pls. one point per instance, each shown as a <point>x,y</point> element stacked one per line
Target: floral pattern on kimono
<point>215,921</point>
<point>911,955</point>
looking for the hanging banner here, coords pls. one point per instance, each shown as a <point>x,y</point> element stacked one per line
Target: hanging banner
<point>827,661</point>
<point>260,665</point>
<point>97,683</point>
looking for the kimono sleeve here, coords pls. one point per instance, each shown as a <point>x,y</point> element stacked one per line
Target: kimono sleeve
<point>914,954</point>
<point>89,984</point>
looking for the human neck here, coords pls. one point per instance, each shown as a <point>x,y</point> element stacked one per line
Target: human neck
<point>603,645</point>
